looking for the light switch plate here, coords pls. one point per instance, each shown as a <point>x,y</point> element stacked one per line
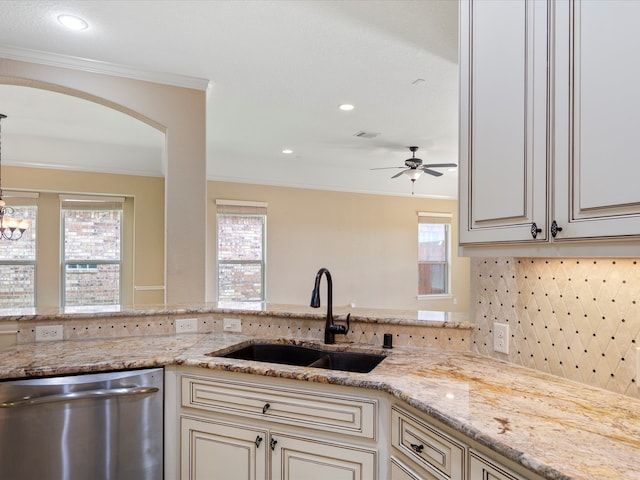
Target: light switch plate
<point>501,337</point>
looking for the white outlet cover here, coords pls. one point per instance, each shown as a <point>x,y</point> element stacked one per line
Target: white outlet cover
<point>232,325</point>
<point>48,333</point>
<point>501,338</point>
<point>186,325</point>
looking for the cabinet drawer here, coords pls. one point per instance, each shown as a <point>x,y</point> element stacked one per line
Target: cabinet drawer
<point>483,468</point>
<point>440,455</point>
<point>305,408</point>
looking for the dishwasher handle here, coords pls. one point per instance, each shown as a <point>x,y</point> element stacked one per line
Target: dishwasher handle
<point>68,396</point>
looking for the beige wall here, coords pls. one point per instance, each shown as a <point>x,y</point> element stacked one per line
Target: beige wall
<point>180,114</point>
<point>144,245</point>
<point>368,242</point>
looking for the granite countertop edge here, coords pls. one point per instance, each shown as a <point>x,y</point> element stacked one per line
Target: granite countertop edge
<point>436,319</point>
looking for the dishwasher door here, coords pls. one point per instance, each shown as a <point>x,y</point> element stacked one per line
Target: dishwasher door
<point>104,426</point>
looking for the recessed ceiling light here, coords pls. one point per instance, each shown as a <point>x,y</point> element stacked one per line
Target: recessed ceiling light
<point>287,151</point>
<point>72,22</point>
<point>346,107</point>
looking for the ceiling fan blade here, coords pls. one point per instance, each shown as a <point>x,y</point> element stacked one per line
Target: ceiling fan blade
<point>431,172</point>
<point>384,168</point>
<point>440,165</point>
<point>400,173</point>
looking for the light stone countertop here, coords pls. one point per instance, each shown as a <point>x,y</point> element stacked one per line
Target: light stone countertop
<point>554,427</point>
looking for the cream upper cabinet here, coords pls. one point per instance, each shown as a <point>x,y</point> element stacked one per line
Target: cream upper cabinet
<point>596,118</point>
<point>548,126</point>
<point>503,121</point>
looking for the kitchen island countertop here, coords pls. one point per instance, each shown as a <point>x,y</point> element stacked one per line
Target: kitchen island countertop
<point>554,427</point>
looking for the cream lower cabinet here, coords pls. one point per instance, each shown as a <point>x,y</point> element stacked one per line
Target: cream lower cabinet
<point>298,458</point>
<point>401,471</point>
<point>235,428</point>
<point>484,468</point>
<point>422,450</point>
<point>436,455</point>
<point>216,450</point>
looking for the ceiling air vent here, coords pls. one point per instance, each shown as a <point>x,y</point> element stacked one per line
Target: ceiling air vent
<point>362,134</point>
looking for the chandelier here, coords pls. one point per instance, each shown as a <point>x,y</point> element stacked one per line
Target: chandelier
<point>11,228</point>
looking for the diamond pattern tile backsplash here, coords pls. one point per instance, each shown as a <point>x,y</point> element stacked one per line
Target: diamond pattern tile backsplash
<point>575,318</point>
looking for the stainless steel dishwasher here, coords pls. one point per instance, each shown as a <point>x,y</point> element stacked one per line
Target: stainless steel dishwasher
<point>103,426</point>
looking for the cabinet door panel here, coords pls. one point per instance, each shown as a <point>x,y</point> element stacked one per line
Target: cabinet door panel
<point>597,106</point>
<point>297,458</point>
<point>483,468</point>
<point>217,451</point>
<point>503,128</point>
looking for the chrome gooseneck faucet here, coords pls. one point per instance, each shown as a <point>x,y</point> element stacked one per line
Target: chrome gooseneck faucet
<point>330,329</point>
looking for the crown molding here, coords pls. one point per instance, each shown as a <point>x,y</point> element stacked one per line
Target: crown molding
<point>105,68</point>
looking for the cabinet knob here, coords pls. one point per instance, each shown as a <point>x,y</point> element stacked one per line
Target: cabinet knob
<point>555,229</point>
<point>273,443</point>
<point>258,441</point>
<point>265,408</point>
<point>417,448</point>
<point>535,230</point>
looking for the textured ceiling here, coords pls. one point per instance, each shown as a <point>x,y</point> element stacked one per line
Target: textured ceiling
<point>278,71</point>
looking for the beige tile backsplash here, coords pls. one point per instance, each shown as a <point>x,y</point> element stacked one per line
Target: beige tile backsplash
<point>575,318</point>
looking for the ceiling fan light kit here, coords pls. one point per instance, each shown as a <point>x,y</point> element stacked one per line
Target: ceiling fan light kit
<point>413,167</point>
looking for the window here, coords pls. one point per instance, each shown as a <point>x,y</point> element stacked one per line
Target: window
<point>18,258</point>
<point>91,253</point>
<point>433,253</point>
<point>241,251</point>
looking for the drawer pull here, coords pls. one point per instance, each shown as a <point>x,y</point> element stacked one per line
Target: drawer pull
<point>273,443</point>
<point>265,408</point>
<point>417,448</point>
<point>258,441</point>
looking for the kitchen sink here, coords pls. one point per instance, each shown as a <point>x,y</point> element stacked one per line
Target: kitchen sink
<point>299,355</point>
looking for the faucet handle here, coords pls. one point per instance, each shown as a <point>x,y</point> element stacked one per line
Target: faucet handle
<point>341,329</point>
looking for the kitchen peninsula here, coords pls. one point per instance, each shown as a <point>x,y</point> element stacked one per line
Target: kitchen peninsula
<point>545,426</point>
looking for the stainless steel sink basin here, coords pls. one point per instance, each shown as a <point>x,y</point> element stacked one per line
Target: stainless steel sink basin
<point>299,355</point>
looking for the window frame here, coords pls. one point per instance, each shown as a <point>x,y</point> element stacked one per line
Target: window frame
<point>111,203</point>
<point>440,219</point>
<point>239,208</point>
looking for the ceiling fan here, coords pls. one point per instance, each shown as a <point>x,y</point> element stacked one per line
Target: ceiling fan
<point>414,168</point>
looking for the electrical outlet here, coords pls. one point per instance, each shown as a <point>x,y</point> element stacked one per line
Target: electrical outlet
<point>501,337</point>
<point>186,325</point>
<point>48,333</point>
<point>232,324</point>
